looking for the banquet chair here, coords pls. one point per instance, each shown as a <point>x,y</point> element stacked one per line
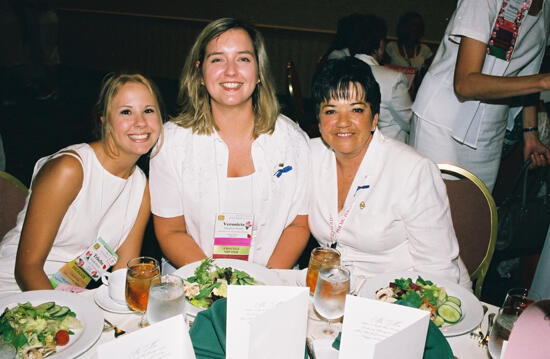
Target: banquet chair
<point>12,201</point>
<point>474,216</point>
<point>293,85</point>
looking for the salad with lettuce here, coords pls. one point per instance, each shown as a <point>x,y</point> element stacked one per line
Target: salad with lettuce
<point>210,283</point>
<point>424,294</point>
<point>35,331</point>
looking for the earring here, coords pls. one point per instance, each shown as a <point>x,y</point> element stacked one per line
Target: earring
<point>202,82</point>
<point>258,81</point>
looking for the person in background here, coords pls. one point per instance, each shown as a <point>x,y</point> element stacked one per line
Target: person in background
<point>375,199</point>
<point>231,178</point>
<point>348,32</point>
<point>408,51</point>
<point>491,52</point>
<point>395,106</point>
<point>87,191</point>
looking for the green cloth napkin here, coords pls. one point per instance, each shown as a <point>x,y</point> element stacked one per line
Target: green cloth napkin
<point>436,347</point>
<point>208,332</point>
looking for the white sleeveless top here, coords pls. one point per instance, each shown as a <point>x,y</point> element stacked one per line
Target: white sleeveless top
<point>106,207</point>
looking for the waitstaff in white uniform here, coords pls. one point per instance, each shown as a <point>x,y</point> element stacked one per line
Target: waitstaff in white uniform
<point>231,178</point>
<point>491,51</point>
<point>375,199</point>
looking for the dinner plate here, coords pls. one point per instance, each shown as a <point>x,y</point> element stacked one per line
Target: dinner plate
<point>102,298</point>
<point>261,274</point>
<point>86,311</point>
<point>472,311</point>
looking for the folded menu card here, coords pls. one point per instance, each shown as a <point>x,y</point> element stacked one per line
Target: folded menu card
<point>266,322</point>
<point>168,339</point>
<point>382,330</point>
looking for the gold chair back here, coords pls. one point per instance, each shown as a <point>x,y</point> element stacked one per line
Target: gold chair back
<point>294,91</point>
<point>474,215</point>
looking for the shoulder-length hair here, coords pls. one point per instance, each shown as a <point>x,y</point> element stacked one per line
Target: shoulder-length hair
<point>109,89</point>
<point>193,98</point>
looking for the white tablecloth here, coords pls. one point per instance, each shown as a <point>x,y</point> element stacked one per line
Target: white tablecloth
<point>464,347</point>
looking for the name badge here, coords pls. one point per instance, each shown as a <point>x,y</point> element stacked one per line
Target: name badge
<point>90,265</point>
<point>233,235</point>
<point>506,28</point>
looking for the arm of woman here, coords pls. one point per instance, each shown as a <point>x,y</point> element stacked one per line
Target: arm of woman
<point>131,247</point>
<point>427,218</point>
<point>471,84</point>
<point>532,146</point>
<point>292,242</point>
<point>176,244</point>
<point>53,190</point>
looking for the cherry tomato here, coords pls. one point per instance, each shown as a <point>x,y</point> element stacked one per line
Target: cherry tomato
<point>61,337</point>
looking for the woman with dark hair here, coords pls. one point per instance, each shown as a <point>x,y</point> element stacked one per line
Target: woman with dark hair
<point>380,203</point>
<point>348,32</point>
<point>87,194</point>
<point>230,180</point>
<point>395,106</point>
<point>408,51</point>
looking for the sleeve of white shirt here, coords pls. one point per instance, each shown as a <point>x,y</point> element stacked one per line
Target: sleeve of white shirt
<point>303,171</point>
<point>432,241</point>
<point>473,19</point>
<point>401,102</point>
<point>164,182</point>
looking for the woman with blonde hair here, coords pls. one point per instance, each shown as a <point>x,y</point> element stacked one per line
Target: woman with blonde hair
<point>230,180</point>
<point>87,193</point>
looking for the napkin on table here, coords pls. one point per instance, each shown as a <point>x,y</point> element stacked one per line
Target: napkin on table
<point>208,332</point>
<point>436,347</point>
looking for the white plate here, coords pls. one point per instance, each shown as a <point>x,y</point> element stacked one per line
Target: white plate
<point>472,312</point>
<point>260,273</point>
<point>86,311</point>
<point>102,298</point>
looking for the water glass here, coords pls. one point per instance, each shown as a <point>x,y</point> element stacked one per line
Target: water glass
<point>516,301</point>
<point>166,299</point>
<point>321,257</point>
<point>330,293</point>
<point>142,272</point>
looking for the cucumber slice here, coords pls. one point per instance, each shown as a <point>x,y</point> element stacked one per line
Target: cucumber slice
<point>438,321</point>
<point>53,310</point>
<point>61,312</point>
<point>455,300</point>
<point>45,306</point>
<point>452,304</point>
<point>449,313</point>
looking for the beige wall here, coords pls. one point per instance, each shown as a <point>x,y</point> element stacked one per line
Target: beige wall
<point>319,14</point>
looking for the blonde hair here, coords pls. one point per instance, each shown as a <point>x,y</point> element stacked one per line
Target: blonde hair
<point>111,85</point>
<point>194,99</point>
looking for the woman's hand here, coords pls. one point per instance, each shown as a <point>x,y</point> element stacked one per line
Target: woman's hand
<point>53,190</point>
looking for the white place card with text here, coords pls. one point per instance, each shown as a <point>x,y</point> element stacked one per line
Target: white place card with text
<point>168,339</point>
<point>380,330</point>
<point>268,322</point>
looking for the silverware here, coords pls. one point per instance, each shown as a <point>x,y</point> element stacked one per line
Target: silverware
<point>478,333</point>
<point>485,340</point>
<point>107,325</point>
<point>362,281</point>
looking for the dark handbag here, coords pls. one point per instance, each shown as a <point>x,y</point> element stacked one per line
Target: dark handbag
<point>523,217</point>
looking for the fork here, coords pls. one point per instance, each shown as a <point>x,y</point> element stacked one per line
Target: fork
<point>478,333</point>
<point>108,326</point>
<point>485,340</point>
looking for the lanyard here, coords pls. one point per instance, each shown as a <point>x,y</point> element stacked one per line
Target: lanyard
<point>506,28</point>
<point>335,231</point>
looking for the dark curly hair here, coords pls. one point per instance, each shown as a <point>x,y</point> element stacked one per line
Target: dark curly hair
<point>333,78</point>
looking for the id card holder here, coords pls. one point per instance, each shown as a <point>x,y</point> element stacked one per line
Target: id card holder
<point>506,28</point>
<point>233,236</point>
<point>90,265</point>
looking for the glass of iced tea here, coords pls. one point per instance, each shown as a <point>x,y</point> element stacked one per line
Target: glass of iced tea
<point>321,257</point>
<point>142,272</point>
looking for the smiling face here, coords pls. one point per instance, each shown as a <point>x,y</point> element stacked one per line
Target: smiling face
<point>230,70</point>
<point>134,120</point>
<point>346,124</point>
